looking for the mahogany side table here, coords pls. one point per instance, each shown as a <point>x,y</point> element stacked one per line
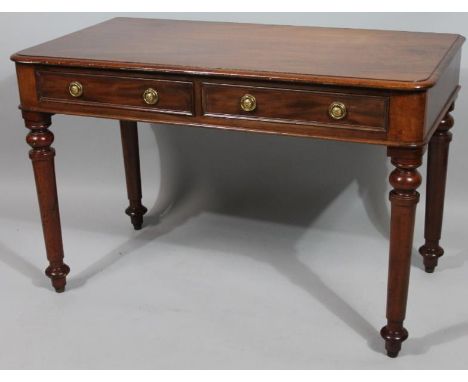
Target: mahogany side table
<point>394,89</point>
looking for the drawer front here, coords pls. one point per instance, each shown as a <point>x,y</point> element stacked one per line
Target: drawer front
<point>174,97</point>
<point>295,106</point>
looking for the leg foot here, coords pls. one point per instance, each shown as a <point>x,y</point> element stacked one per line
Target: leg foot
<point>431,253</point>
<point>435,192</point>
<point>129,135</point>
<point>57,275</point>
<point>393,339</point>
<point>136,215</point>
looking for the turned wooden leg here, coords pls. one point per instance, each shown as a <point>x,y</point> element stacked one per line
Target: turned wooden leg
<point>435,191</point>
<point>405,179</point>
<point>129,135</point>
<point>42,156</point>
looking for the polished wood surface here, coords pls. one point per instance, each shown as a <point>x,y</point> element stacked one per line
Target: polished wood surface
<point>410,117</point>
<point>175,97</point>
<point>437,162</point>
<point>396,88</point>
<point>42,155</point>
<point>357,57</point>
<point>131,155</point>
<point>295,106</point>
<point>404,179</point>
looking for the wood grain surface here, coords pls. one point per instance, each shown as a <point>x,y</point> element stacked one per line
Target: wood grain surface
<point>357,57</point>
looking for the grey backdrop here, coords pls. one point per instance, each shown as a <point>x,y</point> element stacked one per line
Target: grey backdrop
<point>266,255</point>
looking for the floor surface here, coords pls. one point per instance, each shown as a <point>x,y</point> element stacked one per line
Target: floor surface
<point>215,288</point>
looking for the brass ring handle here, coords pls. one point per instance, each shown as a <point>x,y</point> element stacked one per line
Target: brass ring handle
<point>337,110</point>
<point>150,96</point>
<point>75,89</point>
<point>248,102</point>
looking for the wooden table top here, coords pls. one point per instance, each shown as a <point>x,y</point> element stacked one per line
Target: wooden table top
<point>351,57</point>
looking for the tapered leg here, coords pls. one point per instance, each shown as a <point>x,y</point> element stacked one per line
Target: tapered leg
<point>405,179</point>
<point>129,135</point>
<point>42,156</point>
<point>435,192</point>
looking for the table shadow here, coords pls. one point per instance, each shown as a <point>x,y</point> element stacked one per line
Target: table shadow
<point>261,178</point>
<point>421,345</point>
<point>17,262</point>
